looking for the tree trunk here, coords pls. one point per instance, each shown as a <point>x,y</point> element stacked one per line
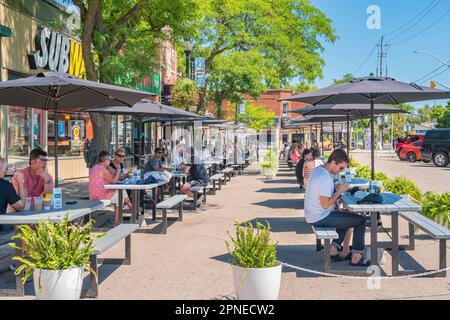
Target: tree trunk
<point>101,123</point>
<point>202,107</point>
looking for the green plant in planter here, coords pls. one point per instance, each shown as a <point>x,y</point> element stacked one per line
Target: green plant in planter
<point>270,164</point>
<point>354,163</point>
<point>54,246</point>
<point>437,207</point>
<point>366,173</point>
<point>402,185</point>
<point>252,247</point>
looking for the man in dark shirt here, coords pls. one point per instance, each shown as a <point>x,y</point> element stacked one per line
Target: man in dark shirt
<point>155,163</point>
<point>8,195</point>
<point>198,176</point>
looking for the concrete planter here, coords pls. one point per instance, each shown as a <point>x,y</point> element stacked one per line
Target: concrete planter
<point>58,284</point>
<point>257,283</point>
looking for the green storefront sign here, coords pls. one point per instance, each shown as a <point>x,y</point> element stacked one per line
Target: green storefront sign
<point>153,87</point>
<point>5,31</point>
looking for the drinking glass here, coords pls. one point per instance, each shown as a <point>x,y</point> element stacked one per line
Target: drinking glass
<point>38,203</point>
<point>27,204</point>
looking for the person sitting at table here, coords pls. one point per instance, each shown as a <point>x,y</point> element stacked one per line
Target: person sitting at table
<point>207,152</point>
<point>306,155</point>
<point>100,176</point>
<point>35,179</point>
<point>320,199</point>
<point>117,164</point>
<point>8,195</point>
<point>155,163</point>
<point>312,162</point>
<point>294,154</point>
<point>177,156</point>
<point>198,176</point>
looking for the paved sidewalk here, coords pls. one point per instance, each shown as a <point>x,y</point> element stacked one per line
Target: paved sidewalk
<point>190,261</point>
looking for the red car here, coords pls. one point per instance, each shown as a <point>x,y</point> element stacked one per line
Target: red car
<point>411,152</point>
<point>411,138</point>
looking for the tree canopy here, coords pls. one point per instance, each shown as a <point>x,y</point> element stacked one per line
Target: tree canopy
<point>257,117</point>
<point>286,36</point>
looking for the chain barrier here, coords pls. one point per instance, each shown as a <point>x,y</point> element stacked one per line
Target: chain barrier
<point>335,275</point>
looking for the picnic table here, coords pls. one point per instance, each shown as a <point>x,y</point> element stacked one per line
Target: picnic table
<point>81,208</point>
<point>392,205</point>
<point>176,176</point>
<point>135,191</point>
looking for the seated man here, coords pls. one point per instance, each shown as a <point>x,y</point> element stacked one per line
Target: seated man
<point>155,163</point>
<point>198,176</point>
<point>319,202</point>
<point>35,179</point>
<point>9,196</point>
<point>177,156</point>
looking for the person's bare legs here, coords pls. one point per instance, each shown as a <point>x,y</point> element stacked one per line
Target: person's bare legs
<point>186,189</point>
<point>116,211</point>
<point>346,242</point>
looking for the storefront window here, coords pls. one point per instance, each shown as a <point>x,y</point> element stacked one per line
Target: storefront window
<point>19,123</point>
<point>71,134</point>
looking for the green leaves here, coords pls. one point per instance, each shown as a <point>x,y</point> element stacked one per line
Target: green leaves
<point>54,246</point>
<point>402,185</point>
<point>257,117</point>
<point>185,94</point>
<point>437,207</point>
<point>252,247</point>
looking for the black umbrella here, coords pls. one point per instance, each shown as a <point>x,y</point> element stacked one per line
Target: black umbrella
<point>146,108</point>
<point>370,90</point>
<point>54,90</point>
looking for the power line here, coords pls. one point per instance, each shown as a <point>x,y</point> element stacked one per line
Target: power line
<point>436,75</point>
<point>367,59</point>
<point>421,18</point>
<point>411,20</point>
<point>428,74</point>
<point>424,30</point>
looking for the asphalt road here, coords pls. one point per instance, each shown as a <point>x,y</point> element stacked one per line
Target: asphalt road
<point>427,176</point>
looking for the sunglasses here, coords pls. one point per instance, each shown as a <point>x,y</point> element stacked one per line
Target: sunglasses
<point>120,155</point>
<point>43,159</point>
<point>160,152</point>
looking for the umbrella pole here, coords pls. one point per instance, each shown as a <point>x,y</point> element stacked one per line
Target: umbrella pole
<point>334,138</point>
<point>372,138</point>
<point>171,135</point>
<point>55,132</point>
<point>321,135</point>
<point>140,141</point>
<point>310,135</point>
<point>348,135</point>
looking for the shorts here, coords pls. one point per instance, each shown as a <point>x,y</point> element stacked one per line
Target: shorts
<point>197,183</point>
<point>115,198</point>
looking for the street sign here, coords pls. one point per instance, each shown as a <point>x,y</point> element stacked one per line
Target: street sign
<point>5,31</point>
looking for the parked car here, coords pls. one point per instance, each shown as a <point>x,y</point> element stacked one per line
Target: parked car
<point>436,147</point>
<point>411,138</point>
<point>412,152</point>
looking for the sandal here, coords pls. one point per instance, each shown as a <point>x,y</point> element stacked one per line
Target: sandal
<point>360,263</point>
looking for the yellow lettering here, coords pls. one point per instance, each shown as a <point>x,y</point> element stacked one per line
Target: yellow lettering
<point>77,67</point>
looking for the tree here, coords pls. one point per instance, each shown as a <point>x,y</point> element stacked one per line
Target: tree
<point>122,37</point>
<point>185,94</point>
<point>234,74</point>
<point>441,115</point>
<point>287,35</point>
<point>345,78</point>
<point>257,117</point>
<point>304,87</point>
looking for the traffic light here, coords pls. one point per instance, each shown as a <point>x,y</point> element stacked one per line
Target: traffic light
<point>432,84</point>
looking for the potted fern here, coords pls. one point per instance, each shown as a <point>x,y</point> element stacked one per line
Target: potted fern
<point>56,254</point>
<point>256,272</point>
<point>269,167</point>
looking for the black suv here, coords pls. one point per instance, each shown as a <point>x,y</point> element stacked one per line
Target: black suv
<point>436,147</point>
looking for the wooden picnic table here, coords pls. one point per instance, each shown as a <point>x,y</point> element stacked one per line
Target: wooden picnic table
<point>135,191</point>
<point>81,208</point>
<point>176,176</point>
<point>392,205</point>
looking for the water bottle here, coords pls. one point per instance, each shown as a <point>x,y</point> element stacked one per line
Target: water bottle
<point>138,175</point>
<point>348,176</point>
<point>373,186</point>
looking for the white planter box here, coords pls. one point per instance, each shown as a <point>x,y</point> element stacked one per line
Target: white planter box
<point>257,284</point>
<point>58,284</point>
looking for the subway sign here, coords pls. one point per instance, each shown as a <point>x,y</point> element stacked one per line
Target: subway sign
<point>58,53</point>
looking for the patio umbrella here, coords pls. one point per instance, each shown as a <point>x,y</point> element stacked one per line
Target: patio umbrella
<point>146,108</point>
<point>54,90</point>
<point>370,90</point>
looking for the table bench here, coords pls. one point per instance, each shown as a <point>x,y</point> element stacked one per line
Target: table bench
<point>112,237</point>
<point>237,167</point>
<point>216,178</point>
<point>326,234</point>
<point>176,200</point>
<point>196,191</point>
<point>227,173</point>
<point>434,230</point>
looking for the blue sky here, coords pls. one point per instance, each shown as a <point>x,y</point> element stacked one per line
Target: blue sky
<point>356,40</point>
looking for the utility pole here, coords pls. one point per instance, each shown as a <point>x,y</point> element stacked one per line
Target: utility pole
<point>381,55</point>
